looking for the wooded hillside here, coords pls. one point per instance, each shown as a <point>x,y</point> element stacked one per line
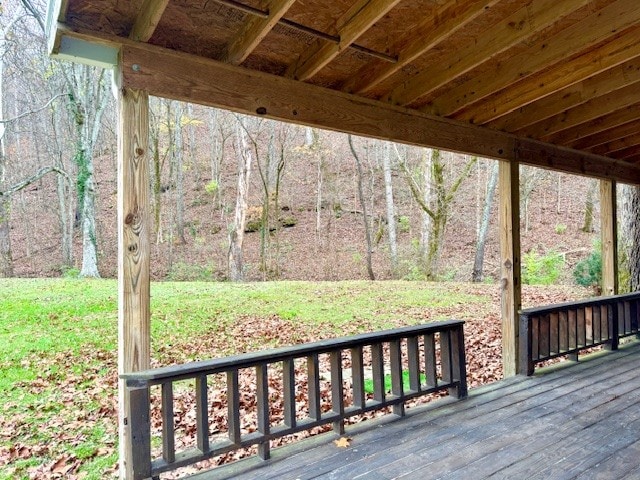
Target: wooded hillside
<point>245,198</point>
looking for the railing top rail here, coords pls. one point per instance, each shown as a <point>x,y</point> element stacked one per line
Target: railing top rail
<point>246,360</point>
<point>579,303</point>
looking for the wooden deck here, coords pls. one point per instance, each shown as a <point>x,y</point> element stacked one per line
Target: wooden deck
<point>579,421</point>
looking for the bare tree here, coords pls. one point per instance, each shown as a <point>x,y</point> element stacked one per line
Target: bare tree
<point>88,99</point>
<point>363,205</point>
<point>391,214</point>
<point>236,229</point>
<point>439,206</point>
<point>478,264</point>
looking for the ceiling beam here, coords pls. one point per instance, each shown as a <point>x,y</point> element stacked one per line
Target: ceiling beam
<point>590,110</point>
<point>607,136</point>
<point>628,153</point>
<point>450,18</point>
<point>254,31</point>
<point>581,38</point>
<point>353,24</point>
<point>552,80</point>
<point>148,19</point>
<point>602,124</point>
<point>614,147</point>
<point>532,18</point>
<point>184,77</point>
<point>566,98</point>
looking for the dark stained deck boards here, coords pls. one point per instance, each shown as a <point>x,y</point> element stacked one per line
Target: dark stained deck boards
<point>581,421</point>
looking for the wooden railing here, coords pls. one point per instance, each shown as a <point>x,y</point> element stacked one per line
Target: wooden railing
<point>566,329</point>
<point>431,356</point>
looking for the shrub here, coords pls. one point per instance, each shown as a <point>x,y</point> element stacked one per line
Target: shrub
<point>541,269</point>
<point>588,271</point>
<point>560,228</point>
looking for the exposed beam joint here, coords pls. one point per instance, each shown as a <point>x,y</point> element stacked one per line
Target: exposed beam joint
<point>254,31</point>
<point>452,17</point>
<point>148,19</point>
<point>357,21</point>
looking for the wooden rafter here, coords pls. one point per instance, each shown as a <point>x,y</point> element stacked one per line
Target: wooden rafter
<point>597,126</point>
<point>148,19</point>
<point>449,19</point>
<point>569,97</point>
<point>590,110</point>
<point>616,147</point>
<point>563,74</point>
<point>607,136</point>
<point>254,31</point>
<point>627,153</point>
<point>524,23</point>
<point>581,38</point>
<point>354,23</point>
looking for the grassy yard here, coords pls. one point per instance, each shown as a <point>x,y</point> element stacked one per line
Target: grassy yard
<point>58,348</point>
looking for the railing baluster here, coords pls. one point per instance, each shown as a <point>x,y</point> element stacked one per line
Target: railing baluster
<point>588,326</point>
<point>377,368</point>
<point>233,406</point>
<point>202,414</point>
<point>554,334</point>
<point>357,377</point>
<point>138,413</point>
<point>396,375</point>
<point>262,399</point>
<point>168,427</point>
<point>430,368</point>
<point>445,357</point>
<point>413,362</point>
<point>289,393</point>
<point>582,327</point>
<point>313,376</point>
<point>633,316</point>
<point>596,325</point>
<point>563,325</point>
<point>337,394</point>
<point>535,336</point>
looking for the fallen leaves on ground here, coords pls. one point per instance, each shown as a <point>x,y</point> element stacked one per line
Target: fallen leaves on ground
<point>71,402</point>
<point>343,442</point>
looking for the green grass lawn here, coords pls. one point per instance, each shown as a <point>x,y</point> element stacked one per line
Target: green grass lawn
<point>58,348</point>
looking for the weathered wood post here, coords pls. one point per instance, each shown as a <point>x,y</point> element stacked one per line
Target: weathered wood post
<point>510,286</point>
<point>609,237</point>
<point>133,249</point>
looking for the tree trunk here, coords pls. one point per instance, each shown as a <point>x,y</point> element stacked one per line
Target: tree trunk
<point>587,224</point>
<point>88,101</point>
<point>391,215</point>
<point>478,264</point>
<point>632,216</point>
<point>363,205</point>
<point>426,227</point>
<point>174,122</point>
<point>236,232</point>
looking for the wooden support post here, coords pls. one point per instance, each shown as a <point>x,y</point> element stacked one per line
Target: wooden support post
<point>509,185</point>
<point>133,249</point>
<point>609,237</point>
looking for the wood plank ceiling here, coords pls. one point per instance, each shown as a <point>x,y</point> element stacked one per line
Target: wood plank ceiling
<point>530,74</point>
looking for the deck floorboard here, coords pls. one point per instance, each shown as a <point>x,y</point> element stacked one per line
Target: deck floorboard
<point>580,421</point>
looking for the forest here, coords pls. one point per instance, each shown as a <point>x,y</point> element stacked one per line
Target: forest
<point>241,198</point>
